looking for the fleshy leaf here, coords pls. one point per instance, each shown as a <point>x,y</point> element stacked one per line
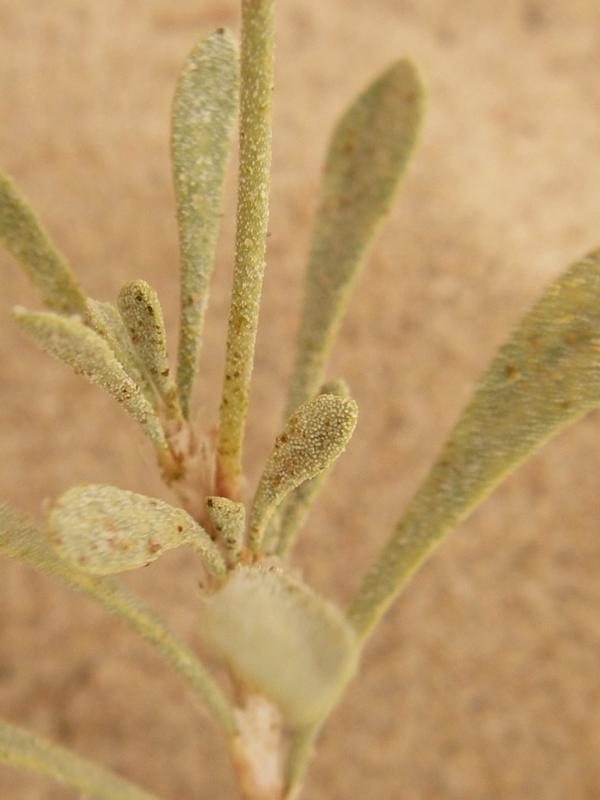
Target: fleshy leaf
<point>313,437</point>
<point>24,750</point>
<point>105,319</point>
<point>21,540</point>
<point>70,341</point>
<point>282,639</point>
<point>288,518</point>
<point>252,219</point>
<point>228,519</point>
<point>103,530</point>
<point>141,312</point>
<point>24,237</point>
<point>367,156</point>
<point>204,111</point>
<point>545,376</point>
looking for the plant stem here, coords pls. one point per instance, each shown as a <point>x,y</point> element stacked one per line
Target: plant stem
<point>20,748</point>
<point>250,245</point>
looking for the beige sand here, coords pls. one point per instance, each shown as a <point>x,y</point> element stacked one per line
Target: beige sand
<point>483,682</point>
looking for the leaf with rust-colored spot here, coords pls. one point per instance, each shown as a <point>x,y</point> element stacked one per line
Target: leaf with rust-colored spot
<point>205,108</point>
<point>87,353</point>
<point>545,376</point>
<point>367,156</point>
<point>103,530</point>
<point>313,437</point>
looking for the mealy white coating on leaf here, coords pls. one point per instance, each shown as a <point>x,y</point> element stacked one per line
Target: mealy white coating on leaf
<point>105,319</point>
<point>545,376</point>
<point>282,639</point>
<point>142,315</point>
<point>250,238</point>
<point>104,530</point>
<point>313,437</point>
<point>228,519</point>
<point>87,353</point>
<point>24,236</point>
<point>367,155</point>
<point>22,540</point>
<point>205,107</point>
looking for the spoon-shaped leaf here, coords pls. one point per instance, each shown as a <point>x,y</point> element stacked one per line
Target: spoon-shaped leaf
<point>141,312</point>
<point>87,353</point>
<point>103,530</point>
<point>313,437</point>
<point>24,237</point>
<point>21,540</point>
<point>545,376</point>
<point>228,519</point>
<point>204,112</point>
<point>289,516</point>
<point>282,639</point>
<point>367,155</point>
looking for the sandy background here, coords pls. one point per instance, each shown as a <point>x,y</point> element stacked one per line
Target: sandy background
<point>483,682</point>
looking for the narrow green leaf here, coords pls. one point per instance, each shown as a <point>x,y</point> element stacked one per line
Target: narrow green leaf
<point>141,312</point>
<point>70,341</point>
<point>228,519</point>
<point>21,540</point>
<point>282,639</point>
<point>313,437</point>
<point>545,376</point>
<point>250,237</point>
<point>24,237</point>
<point>103,530</point>
<point>22,749</point>
<point>367,155</point>
<point>204,111</point>
<point>105,319</point>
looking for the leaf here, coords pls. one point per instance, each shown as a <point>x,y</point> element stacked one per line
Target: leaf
<point>141,312</point>
<point>287,520</point>
<point>282,639</point>
<point>367,155</point>
<point>252,217</point>
<point>24,237</point>
<point>70,341</point>
<point>105,319</point>
<point>313,437</point>
<point>544,377</point>
<point>20,748</point>
<point>228,519</point>
<point>103,530</point>
<point>204,111</point>
<point>21,540</point>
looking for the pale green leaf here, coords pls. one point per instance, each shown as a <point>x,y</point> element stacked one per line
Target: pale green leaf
<point>24,237</point>
<point>103,530</point>
<point>367,155</point>
<point>70,341</point>
<point>24,750</point>
<point>21,540</point>
<point>313,437</point>
<point>141,312</point>
<point>105,319</point>
<point>250,237</point>
<point>280,638</point>
<point>545,376</point>
<point>228,520</point>
<point>204,111</point>
<point>289,517</point>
